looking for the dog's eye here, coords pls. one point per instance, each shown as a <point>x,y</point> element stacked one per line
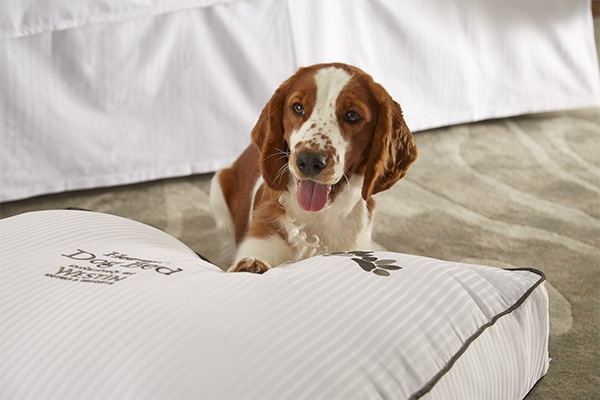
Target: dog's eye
<point>298,109</point>
<point>352,117</point>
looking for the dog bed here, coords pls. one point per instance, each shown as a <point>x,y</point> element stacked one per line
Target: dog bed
<point>98,306</point>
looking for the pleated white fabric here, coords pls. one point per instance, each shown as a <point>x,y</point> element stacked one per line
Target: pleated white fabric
<point>96,306</point>
<point>101,93</point>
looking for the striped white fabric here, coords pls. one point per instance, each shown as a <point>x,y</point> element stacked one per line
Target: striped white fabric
<point>99,93</point>
<point>95,306</point>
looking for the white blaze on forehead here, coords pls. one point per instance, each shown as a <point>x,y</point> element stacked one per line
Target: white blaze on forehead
<point>330,82</point>
<point>322,128</point>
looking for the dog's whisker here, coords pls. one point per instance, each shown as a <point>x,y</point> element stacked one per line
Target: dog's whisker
<point>346,176</point>
<point>281,153</point>
<point>283,170</point>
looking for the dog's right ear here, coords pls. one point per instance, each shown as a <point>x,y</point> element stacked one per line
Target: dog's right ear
<point>268,136</point>
<point>393,149</point>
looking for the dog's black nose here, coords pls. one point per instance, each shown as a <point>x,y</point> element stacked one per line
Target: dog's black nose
<point>311,164</point>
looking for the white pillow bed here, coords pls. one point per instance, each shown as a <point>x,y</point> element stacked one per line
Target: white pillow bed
<point>96,306</point>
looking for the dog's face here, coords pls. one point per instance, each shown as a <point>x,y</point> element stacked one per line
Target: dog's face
<point>325,124</point>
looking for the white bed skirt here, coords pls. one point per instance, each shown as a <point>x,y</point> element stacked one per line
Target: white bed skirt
<point>102,93</point>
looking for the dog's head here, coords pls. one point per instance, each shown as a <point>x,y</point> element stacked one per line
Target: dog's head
<point>326,123</point>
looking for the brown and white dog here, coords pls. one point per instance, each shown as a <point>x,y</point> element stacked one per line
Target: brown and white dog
<point>326,142</point>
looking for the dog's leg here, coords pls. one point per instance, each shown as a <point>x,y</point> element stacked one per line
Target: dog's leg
<point>258,255</point>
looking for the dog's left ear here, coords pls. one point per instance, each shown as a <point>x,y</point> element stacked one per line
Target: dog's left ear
<point>393,149</point>
<point>267,136</point>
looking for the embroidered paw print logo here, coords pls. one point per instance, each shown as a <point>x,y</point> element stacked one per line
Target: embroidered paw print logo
<point>369,263</point>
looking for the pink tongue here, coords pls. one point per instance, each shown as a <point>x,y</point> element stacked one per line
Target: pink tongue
<point>312,196</point>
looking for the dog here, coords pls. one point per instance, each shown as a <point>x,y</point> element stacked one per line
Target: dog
<point>327,141</point>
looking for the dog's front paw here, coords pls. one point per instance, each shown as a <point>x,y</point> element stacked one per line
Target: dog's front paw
<point>250,264</point>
